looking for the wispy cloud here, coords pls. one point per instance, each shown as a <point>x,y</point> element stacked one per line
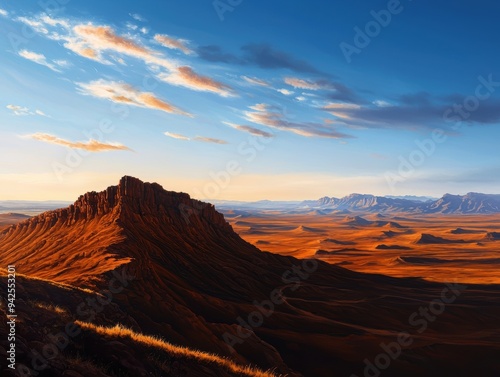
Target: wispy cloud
<point>272,116</point>
<point>285,92</point>
<point>251,130</point>
<point>131,26</point>
<point>103,44</point>
<point>335,90</point>
<point>210,140</point>
<point>380,103</point>
<point>125,93</point>
<point>18,110</point>
<point>186,77</point>
<point>41,113</point>
<point>307,84</point>
<point>176,136</point>
<point>21,110</point>
<point>37,25</point>
<point>91,40</point>
<point>340,109</point>
<point>173,43</point>
<point>137,17</point>
<point>3,12</point>
<point>91,145</point>
<point>255,81</point>
<point>37,58</point>
<point>415,112</point>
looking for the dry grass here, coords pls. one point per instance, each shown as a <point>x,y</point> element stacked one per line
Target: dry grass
<point>184,352</point>
<point>52,308</point>
<point>68,287</point>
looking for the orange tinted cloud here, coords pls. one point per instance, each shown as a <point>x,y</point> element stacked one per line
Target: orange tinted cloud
<point>255,81</point>
<point>125,93</point>
<point>91,145</point>
<point>306,84</point>
<point>340,109</point>
<point>173,43</point>
<point>210,140</point>
<point>176,136</point>
<point>105,38</point>
<point>273,117</point>
<point>91,40</point>
<point>185,76</point>
<point>250,130</point>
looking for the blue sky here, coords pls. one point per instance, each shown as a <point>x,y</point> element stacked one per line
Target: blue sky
<point>255,100</point>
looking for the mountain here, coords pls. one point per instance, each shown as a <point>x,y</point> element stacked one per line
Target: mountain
<point>365,203</point>
<point>134,262</point>
<point>30,207</point>
<point>472,203</point>
<point>414,198</point>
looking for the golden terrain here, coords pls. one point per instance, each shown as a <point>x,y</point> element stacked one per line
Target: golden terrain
<point>188,278</point>
<point>442,248</point>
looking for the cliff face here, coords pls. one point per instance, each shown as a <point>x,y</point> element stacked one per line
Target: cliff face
<point>96,234</point>
<point>130,196</point>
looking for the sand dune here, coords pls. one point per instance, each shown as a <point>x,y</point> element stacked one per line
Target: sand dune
<point>426,238</point>
<point>492,236</point>
<point>338,242</point>
<point>307,229</point>
<point>442,243</point>
<point>392,247</point>
<point>356,220</point>
<point>465,231</point>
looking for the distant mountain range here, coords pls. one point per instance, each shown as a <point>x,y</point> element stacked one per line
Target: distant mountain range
<point>471,203</point>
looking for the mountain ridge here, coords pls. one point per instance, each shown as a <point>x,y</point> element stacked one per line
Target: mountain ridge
<point>196,281</point>
<point>470,203</point>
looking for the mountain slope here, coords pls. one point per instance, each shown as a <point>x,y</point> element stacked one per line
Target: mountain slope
<point>197,283</point>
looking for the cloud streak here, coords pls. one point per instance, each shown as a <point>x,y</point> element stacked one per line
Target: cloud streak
<point>186,77</point>
<point>273,117</point>
<point>21,110</point>
<point>90,146</point>
<point>176,136</point>
<point>211,140</point>
<point>38,59</point>
<point>173,43</point>
<point>124,93</point>
<point>249,129</point>
<point>102,43</point>
<point>255,81</point>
